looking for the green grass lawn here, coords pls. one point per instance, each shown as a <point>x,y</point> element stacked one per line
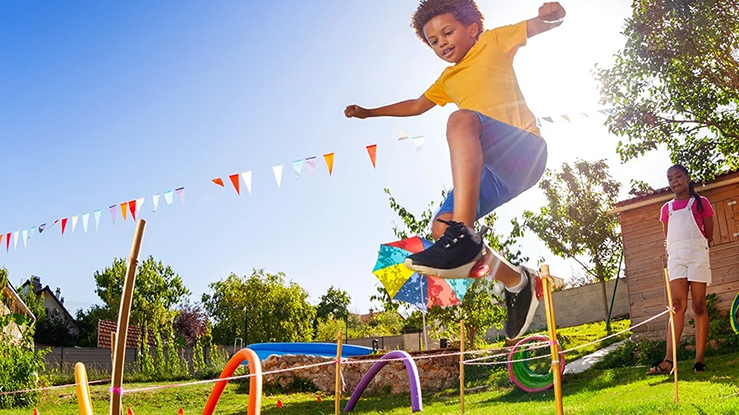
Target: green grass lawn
<point>613,391</point>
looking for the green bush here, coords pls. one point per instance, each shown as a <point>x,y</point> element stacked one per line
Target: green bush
<point>19,370</point>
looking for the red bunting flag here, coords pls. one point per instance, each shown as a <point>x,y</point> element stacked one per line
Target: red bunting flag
<point>64,225</point>
<point>235,181</point>
<point>218,181</point>
<point>132,208</point>
<point>129,411</point>
<point>372,150</point>
<point>7,242</point>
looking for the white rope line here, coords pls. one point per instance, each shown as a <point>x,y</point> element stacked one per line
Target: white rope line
<point>505,362</point>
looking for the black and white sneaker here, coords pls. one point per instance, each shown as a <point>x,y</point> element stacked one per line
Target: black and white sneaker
<point>453,255</point>
<point>522,305</point>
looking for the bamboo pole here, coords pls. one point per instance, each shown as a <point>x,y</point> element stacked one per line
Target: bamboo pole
<point>124,311</point>
<point>672,332</point>
<point>547,280</point>
<point>461,365</point>
<point>337,398</point>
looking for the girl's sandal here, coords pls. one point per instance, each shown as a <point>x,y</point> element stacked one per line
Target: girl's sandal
<point>657,369</point>
<point>699,367</point>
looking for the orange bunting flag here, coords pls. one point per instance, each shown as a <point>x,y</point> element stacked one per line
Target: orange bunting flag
<point>279,404</point>
<point>218,181</point>
<point>329,162</point>
<point>565,117</point>
<point>132,208</point>
<point>372,150</point>
<point>64,225</point>
<point>235,180</point>
<point>124,213</point>
<point>181,412</point>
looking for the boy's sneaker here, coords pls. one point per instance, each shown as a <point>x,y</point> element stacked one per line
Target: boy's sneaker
<point>522,305</point>
<point>453,255</point>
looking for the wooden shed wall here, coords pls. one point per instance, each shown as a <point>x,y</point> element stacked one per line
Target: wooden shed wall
<point>644,256</point>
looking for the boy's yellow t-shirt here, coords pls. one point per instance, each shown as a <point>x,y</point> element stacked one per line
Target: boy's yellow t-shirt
<point>484,79</point>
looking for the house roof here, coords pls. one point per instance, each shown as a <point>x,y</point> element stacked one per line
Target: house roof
<point>38,290</point>
<point>664,194</point>
<point>17,305</point>
<point>106,327</point>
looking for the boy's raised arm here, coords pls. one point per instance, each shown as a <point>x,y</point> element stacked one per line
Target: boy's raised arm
<point>406,108</point>
<point>550,16</point>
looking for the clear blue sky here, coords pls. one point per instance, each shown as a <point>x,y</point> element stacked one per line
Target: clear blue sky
<point>104,102</point>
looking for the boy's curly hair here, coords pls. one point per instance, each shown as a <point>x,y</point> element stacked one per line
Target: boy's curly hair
<point>465,11</point>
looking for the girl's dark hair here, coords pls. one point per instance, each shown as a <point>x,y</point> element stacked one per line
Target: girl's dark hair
<point>464,11</point>
<point>691,186</point>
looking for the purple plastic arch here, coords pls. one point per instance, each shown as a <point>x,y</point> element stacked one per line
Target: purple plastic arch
<point>410,365</point>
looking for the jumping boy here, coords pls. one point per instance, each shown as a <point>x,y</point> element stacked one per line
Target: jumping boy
<point>496,149</point>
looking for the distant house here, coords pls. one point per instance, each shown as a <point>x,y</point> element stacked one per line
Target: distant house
<point>644,251</point>
<point>13,304</point>
<point>106,328</point>
<point>53,301</point>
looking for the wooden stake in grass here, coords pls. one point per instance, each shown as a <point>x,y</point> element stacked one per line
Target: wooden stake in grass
<point>672,332</point>
<point>119,353</point>
<point>337,399</point>
<point>547,280</point>
<point>461,366</point>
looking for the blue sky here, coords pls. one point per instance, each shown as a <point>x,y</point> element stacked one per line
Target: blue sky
<point>105,102</point>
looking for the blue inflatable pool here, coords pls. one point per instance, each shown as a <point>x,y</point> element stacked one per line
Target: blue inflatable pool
<point>265,350</point>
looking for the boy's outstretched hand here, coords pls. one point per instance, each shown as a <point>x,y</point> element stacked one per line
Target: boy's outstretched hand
<point>551,12</point>
<point>356,111</point>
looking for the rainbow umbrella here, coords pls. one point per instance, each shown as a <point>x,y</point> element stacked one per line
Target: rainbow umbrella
<point>406,285</point>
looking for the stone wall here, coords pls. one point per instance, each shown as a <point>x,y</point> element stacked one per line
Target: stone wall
<point>580,305</point>
<point>435,374</point>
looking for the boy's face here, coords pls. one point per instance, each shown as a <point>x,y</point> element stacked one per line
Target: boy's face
<point>449,38</point>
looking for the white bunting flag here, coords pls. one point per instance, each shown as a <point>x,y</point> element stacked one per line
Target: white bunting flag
<point>85,221</point>
<point>278,174</point>
<point>155,199</point>
<point>247,179</point>
<point>75,218</point>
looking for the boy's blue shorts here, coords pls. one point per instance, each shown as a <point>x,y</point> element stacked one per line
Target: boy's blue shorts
<point>513,161</point>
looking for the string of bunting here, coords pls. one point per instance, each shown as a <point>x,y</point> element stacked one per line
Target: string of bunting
<point>133,207</point>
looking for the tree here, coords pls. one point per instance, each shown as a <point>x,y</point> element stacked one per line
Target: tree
<point>87,322</point>
<point>259,308</point>
<point>190,324</point>
<point>576,224</point>
<point>158,290</point>
<point>54,330</point>
<point>479,308</point>
<point>334,303</point>
<point>676,83</point>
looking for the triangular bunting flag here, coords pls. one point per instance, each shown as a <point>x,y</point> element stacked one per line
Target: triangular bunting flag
<point>30,234</point>
<point>85,221</point>
<point>75,218</point>
<point>329,162</point>
<point>168,197</point>
<point>181,193</point>
<point>372,151</point>
<point>15,241</point>
<point>602,112</point>
<point>139,204</point>
<point>401,135</point>
<point>1,238</point>
<point>298,167</point>
<point>218,181</point>
<point>547,119</point>
<point>235,181</point>
<point>418,142</point>
<point>97,220</point>
<point>112,213</point>
<point>585,115</point>
<point>41,228</point>
<point>124,211</point>
<point>247,179</point>
<point>311,163</point>
<point>277,170</point>
<point>155,199</point>
<point>25,238</point>
<point>538,122</point>
<point>55,222</point>
<point>565,117</point>
<point>609,111</point>
<point>7,242</point>
<point>132,208</point>
<point>64,225</point>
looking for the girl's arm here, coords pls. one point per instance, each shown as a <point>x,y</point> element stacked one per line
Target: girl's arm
<point>708,227</point>
<point>406,108</point>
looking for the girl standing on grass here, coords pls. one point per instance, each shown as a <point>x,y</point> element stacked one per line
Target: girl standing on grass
<point>687,221</point>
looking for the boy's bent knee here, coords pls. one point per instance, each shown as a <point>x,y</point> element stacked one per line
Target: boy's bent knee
<point>463,118</point>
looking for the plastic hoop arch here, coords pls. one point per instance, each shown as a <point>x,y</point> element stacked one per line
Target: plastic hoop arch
<point>521,373</point>
<point>734,314</point>
<point>410,365</point>
<point>255,382</point>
